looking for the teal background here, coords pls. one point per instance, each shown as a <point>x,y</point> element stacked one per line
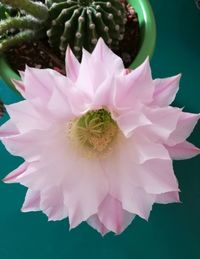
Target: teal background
<point>173,231</point>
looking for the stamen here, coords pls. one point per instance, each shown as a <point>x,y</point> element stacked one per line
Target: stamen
<point>93,133</point>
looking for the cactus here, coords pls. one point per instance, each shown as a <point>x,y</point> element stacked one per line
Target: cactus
<point>80,23</point>
<point>30,23</point>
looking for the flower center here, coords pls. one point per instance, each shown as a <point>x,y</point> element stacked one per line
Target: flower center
<point>94,132</point>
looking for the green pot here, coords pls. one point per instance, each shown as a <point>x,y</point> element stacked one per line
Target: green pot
<point>147,39</point>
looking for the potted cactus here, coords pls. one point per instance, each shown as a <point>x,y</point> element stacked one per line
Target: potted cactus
<point>78,23</point>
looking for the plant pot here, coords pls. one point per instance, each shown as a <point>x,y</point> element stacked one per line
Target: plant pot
<point>147,28</point>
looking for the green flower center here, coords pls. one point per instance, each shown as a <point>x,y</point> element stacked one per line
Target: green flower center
<point>94,132</point>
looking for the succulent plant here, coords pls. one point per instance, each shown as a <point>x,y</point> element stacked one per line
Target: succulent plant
<point>80,23</point>
<point>28,24</point>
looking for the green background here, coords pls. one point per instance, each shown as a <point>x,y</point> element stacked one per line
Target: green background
<point>173,231</point>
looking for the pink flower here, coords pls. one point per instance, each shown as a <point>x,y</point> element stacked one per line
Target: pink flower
<point>98,144</point>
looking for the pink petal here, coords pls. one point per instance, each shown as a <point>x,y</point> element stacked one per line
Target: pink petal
<point>165,90</point>
<point>122,171</point>
<point>84,82</point>
<point>81,197</point>
<point>184,128</point>
<point>84,196</point>
<point>13,176</point>
<point>52,203</point>
<point>164,122</point>
<point>32,77</point>
<point>59,105</point>
<point>72,65</point>
<point>150,171</point>
<point>139,202</point>
<point>26,117</point>
<point>103,96</point>
<point>130,121</point>
<point>111,62</point>
<point>27,145</point>
<point>183,150</point>
<point>8,129</point>
<point>113,217</point>
<point>157,176</point>
<point>168,197</point>
<point>32,201</point>
<point>19,85</point>
<point>94,222</point>
<point>94,63</point>
<point>146,150</point>
<point>88,80</point>
<point>135,88</point>
<point>36,87</point>
<point>79,102</point>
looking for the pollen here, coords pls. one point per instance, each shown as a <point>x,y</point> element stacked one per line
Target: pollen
<point>94,133</point>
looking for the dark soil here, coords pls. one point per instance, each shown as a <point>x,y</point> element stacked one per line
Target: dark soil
<point>40,55</point>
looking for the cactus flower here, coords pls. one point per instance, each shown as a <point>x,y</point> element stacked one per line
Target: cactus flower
<point>97,144</point>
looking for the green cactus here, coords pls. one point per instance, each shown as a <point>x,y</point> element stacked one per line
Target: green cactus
<point>28,24</point>
<point>80,23</point>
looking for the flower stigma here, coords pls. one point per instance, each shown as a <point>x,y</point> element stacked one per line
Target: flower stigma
<point>93,133</point>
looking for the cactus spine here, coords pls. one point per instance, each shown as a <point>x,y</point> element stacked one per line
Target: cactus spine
<point>80,23</point>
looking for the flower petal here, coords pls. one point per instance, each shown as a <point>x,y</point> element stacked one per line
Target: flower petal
<point>183,150</point>
<point>184,128</point>
<point>84,82</point>
<point>94,222</point>
<point>72,65</point>
<point>157,176</point>
<point>32,201</point>
<point>52,203</point>
<point>25,117</point>
<point>19,85</point>
<point>112,215</point>
<point>8,129</point>
<point>28,145</point>
<point>84,196</point>
<point>112,63</point>
<point>103,96</point>
<point>165,90</point>
<point>134,88</point>
<point>130,121</point>
<point>167,197</point>
<point>139,202</point>
<point>163,123</point>
<point>13,176</point>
